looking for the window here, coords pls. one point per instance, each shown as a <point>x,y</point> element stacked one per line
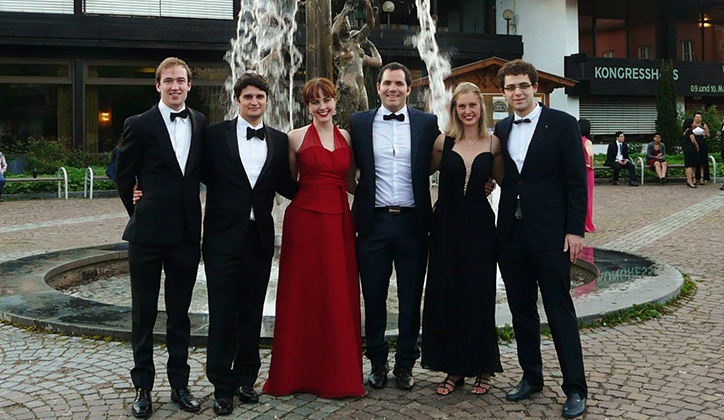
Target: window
<point>120,89</point>
<point>609,54</point>
<point>687,50</point>
<point>37,6</point>
<point>645,51</point>
<point>37,100</point>
<point>199,9</point>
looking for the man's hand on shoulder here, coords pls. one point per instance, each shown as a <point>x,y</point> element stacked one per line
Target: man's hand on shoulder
<point>574,244</point>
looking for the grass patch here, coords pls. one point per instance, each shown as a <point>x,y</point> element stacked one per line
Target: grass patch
<point>645,312</point>
<point>636,314</point>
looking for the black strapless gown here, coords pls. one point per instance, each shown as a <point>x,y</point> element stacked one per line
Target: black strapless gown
<point>459,331</point>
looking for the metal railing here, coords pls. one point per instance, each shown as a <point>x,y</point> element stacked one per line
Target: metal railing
<point>64,181</point>
<point>640,162</point>
<point>89,181</point>
<point>713,167</point>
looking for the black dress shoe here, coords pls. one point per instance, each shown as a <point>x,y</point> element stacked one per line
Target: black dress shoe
<point>247,394</point>
<point>223,406</point>
<point>185,400</point>
<point>522,391</point>
<point>574,407</point>
<point>378,376</point>
<point>614,182</point>
<point>722,188</point>
<point>404,378</point>
<point>633,184</point>
<point>142,406</point>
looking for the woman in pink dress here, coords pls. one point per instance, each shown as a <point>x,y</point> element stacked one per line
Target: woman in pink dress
<point>585,126</point>
<point>317,334</point>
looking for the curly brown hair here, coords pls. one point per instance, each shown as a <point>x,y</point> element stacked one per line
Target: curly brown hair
<point>516,67</point>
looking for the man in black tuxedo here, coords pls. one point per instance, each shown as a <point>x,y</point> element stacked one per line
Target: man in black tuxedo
<point>392,147</point>
<point>244,163</point>
<point>161,151</point>
<point>541,222</point>
<point>617,158</point>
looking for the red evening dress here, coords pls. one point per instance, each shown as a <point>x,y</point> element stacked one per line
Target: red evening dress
<point>317,334</point>
<point>589,181</point>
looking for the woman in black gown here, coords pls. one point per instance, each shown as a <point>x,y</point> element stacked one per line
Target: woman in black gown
<point>701,132</point>
<point>459,330</point>
<point>691,152</point>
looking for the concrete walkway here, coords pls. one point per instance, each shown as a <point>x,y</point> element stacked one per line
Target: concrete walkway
<point>671,367</point>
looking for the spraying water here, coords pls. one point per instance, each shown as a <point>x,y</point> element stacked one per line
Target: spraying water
<point>438,66</point>
<point>264,44</point>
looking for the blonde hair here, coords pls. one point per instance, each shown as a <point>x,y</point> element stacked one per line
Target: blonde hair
<point>455,127</point>
<point>171,62</point>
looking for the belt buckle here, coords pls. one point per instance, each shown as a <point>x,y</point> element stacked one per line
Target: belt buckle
<point>518,212</point>
<point>394,210</point>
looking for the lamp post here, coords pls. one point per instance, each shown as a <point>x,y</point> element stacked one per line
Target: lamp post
<point>508,15</point>
<point>388,7</point>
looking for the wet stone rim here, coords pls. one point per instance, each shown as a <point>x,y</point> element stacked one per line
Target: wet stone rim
<point>27,299</point>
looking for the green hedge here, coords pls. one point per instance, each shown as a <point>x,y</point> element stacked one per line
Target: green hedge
<point>76,177</point>
<point>676,159</point>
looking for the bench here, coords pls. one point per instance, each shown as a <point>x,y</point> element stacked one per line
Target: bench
<point>62,177</point>
<point>89,179</point>
<point>641,166</point>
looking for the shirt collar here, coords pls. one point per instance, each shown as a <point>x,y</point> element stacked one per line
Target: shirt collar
<point>241,124</point>
<point>532,115</point>
<point>403,111</point>
<point>166,112</point>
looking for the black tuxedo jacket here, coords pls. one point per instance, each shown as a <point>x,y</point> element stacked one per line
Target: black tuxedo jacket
<point>552,186</point>
<point>170,200</point>
<point>613,151</point>
<point>230,197</point>
<point>423,132</point>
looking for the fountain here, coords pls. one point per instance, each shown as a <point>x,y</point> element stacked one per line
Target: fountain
<point>264,44</point>
<point>86,291</point>
<point>438,65</point>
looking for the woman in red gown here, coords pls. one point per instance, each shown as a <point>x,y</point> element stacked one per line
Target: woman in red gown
<point>585,127</point>
<point>317,334</point>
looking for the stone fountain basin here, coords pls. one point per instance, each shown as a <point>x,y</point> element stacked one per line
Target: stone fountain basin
<point>31,292</point>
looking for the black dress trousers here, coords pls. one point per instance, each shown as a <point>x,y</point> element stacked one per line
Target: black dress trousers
<point>237,288</point>
<point>180,264</point>
<point>524,270</point>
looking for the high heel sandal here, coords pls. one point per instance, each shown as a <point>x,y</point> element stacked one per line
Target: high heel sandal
<point>482,384</point>
<point>690,185</point>
<point>448,385</point>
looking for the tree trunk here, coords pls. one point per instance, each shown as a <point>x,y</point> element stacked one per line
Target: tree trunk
<point>319,39</point>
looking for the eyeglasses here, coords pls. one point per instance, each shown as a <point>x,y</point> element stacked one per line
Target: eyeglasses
<point>521,86</point>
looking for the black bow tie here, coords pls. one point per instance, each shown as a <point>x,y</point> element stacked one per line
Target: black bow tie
<point>251,133</point>
<point>182,114</point>
<point>523,120</point>
<point>398,117</point>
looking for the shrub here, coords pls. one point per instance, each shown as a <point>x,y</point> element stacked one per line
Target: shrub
<point>76,177</point>
<point>47,155</point>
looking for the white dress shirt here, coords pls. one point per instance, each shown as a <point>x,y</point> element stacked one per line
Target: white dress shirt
<point>619,155</point>
<point>393,160</point>
<point>521,135</point>
<point>180,132</point>
<point>252,151</point>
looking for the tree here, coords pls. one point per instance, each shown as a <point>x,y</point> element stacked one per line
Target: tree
<point>666,116</point>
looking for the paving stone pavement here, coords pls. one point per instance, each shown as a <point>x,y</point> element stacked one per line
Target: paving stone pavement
<point>671,367</point>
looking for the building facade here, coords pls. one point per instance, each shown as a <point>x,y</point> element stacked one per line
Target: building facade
<point>74,70</point>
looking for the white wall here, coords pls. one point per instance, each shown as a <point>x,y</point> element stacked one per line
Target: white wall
<point>550,32</point>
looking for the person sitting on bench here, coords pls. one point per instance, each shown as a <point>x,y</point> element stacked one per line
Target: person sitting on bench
<point>617,158</point>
